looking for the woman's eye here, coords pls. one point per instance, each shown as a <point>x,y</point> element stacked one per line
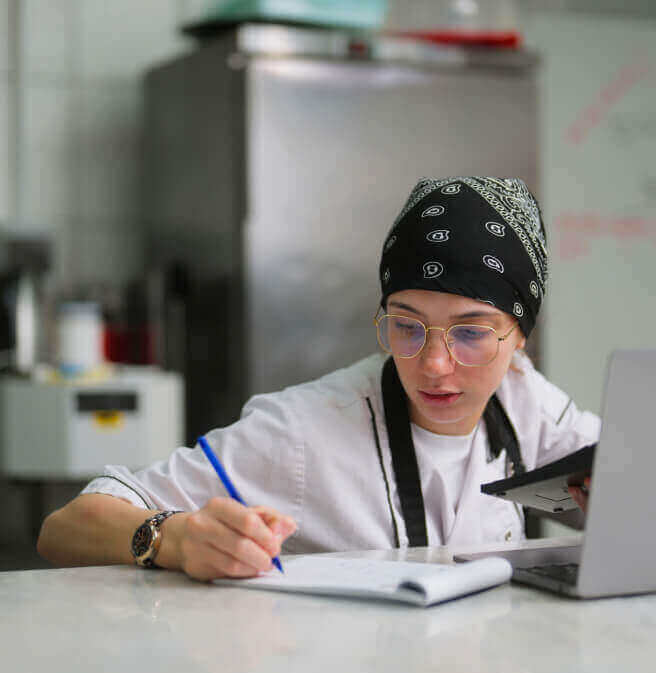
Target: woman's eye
<point>407,327</point>
<point>471,334</point>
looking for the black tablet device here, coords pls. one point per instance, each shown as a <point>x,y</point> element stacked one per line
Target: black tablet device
<point>546,487</point>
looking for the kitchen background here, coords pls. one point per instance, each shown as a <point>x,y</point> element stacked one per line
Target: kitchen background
<point>72,147</point>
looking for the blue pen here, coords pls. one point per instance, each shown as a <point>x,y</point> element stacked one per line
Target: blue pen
<point>225,479</point>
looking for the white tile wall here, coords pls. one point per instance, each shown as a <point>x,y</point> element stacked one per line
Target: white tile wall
<point>49,37</point>
<point>92,253</point>
<point>122,37</point>
<point>107,135</point>
<point>4,150</point>
<point>61,231</point>
<point>190,11</point>
<point>104,251</point>
<point>48,180</point>
<point>4,35</point>
<point>80,83</point>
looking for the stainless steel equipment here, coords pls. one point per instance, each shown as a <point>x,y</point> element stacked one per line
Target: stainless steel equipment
<point>275,161</point>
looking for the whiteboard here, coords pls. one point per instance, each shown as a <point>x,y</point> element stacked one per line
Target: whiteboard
<point>598,159</point>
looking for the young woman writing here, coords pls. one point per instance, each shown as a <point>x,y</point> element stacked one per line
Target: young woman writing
<point>390,451</point>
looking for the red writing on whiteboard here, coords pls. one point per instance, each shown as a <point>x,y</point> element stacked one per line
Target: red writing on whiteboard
<point>594,113</point>
<point>577,231</point>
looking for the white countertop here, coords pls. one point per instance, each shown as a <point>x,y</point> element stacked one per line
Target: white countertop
<point>122,619</point>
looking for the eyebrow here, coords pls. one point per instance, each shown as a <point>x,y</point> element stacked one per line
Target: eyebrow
<point>461,316</point>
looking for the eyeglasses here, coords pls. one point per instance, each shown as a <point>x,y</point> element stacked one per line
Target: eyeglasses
<point>469,345</point>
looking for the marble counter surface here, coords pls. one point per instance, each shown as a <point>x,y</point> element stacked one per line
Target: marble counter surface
<point>122,619</point>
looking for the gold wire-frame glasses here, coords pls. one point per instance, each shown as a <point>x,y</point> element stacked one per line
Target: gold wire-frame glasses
<point>378,319</point>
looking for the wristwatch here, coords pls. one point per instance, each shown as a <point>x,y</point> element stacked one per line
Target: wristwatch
<point>147,540</point>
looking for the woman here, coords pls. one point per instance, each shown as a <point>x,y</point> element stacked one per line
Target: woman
<point>390,451</point>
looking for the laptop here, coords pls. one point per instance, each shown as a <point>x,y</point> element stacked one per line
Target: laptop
<point>617,555</point>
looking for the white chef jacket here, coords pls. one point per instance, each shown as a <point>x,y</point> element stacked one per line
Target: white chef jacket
<point>310,452</point>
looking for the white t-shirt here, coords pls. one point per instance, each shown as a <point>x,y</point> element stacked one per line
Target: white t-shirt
<point>319,452</point>
<point>442,462</point>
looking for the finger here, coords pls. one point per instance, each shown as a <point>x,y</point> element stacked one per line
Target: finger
<point>208,535</point>
<point>281,525</point>
<point>244,521</point>
<point>579,497</point>
<point>575,494</point>
<point>245,550</point>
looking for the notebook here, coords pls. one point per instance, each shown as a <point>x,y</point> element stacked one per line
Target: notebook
<point>618,552</point>
<point>420,584</point>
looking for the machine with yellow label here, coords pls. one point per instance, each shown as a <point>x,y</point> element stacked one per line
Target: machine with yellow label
<point>59,429</point>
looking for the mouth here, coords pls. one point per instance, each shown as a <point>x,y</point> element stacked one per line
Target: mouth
<point>441,399</point>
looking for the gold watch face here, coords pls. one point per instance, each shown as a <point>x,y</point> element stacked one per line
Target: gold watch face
<point>142,540</point>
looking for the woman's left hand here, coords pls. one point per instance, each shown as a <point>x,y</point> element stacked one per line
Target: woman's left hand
<point>580,494</point>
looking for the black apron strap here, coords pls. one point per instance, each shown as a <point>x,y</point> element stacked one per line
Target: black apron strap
<point>501,434</point>
<point>404,460</point>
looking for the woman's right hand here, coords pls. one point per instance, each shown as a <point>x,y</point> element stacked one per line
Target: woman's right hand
<point>224,539</point>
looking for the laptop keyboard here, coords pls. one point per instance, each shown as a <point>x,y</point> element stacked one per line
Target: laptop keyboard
<point>566,572</point>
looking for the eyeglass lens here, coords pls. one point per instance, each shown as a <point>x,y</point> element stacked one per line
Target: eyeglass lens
<point>469,344</point>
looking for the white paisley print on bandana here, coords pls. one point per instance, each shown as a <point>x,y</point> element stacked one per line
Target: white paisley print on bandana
<point>433,211</point>
<point>493,263</point>
<point>433,270</point>
<point>496,228</point>
<point>510,198</point>
<point>438,236</point>
<point>390,242</point>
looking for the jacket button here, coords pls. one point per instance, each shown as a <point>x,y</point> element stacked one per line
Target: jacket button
<point>508,535</point>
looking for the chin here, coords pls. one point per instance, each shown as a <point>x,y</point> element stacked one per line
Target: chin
<point>440,415</point>
<point>442,419</point>
<point>446,421</point>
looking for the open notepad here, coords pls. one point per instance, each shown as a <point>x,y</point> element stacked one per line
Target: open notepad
<point>418,583</point>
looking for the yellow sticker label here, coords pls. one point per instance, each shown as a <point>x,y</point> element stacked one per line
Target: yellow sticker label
<point>108,420</point>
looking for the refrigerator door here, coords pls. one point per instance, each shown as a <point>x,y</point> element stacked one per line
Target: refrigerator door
<point>333,149</point>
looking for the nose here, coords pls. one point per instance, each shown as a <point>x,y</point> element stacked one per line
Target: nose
<point>435,357</point>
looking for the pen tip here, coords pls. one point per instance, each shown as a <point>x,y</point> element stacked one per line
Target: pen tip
<point>278,565</point>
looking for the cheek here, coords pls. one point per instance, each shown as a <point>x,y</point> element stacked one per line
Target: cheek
<point>496,372</point>
<point>406,369</point>
<point>484,380</point>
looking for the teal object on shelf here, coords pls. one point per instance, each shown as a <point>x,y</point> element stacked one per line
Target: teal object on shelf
<point>368,14</point>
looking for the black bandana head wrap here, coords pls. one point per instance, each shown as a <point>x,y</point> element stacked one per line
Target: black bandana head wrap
<point>479,237</point>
